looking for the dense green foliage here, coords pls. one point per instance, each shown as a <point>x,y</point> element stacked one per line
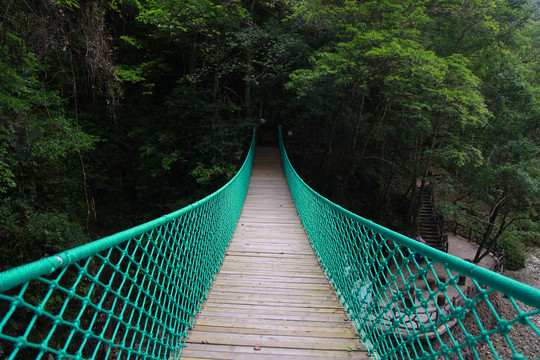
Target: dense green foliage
<point>514,256</point>
<point>425,92</point>
<point>114,112</point>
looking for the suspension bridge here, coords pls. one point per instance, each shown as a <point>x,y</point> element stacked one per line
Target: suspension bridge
<point>302,278</point>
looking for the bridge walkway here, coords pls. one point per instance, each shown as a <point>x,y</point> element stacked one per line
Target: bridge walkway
<point>271,299</point>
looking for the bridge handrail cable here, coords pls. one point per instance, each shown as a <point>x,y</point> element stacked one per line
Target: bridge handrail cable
<point>391,286</point>
<point>130,295</point>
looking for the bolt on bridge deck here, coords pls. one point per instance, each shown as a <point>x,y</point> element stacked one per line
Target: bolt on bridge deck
<point>271,298</point>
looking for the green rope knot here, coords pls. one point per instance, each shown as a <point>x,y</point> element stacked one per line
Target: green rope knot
<point>470,340</point>
<point>444,318</point>
<point>21,342</point>
<point>17,301</point>
<point>504,326</point>
<point>459,313</point>
<point>469,304</point>
<point>442,286</point>
<point>445,350</point>
<point>484,337</point>
<point>407,312</point>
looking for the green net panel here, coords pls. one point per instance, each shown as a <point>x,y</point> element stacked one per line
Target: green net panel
<point>132,295</point>
<point>410,301</point>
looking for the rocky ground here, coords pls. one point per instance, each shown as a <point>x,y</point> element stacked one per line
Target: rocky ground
<point>525,340</point>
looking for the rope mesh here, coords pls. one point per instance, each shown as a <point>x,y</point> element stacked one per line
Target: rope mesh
<point>410,301</point>
<point>133,295</point>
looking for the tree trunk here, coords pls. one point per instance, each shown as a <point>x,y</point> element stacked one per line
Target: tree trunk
<point>487,231</point>
<point>247,85</point>
<point>493,241</point>
<point>409,224</point>
<point>358,123</point>
<point>384,193</point>
<point>249,73</point>
<point>192,61</point>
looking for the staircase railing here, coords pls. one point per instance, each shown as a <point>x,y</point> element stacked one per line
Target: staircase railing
<point>408,300</point>
<point>475,236</point>
<point>132,295</point>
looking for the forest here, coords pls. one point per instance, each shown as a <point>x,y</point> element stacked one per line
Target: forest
<point>114,112</point>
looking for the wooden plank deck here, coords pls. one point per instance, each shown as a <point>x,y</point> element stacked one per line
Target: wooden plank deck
<point>271,299</point>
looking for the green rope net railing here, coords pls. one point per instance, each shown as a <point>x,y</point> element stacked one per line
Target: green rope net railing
<point>132,295</point>
<point>410,301</point>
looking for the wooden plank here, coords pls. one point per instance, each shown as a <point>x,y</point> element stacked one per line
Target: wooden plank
<point>285,210</point>
<point>203,355</point>
<point>270,259</point>
<point>271,302</point>
<point>261,323</point>
<point>295,342</point>
<point>265,263</point>
<point>291,299</point>
<point>265,235</point>
<point>288,215</point>
<point>269,251</point>
<point>225,321</point>
<point>320,332</point>
<point>270,248</point>
<point>269,240</point>
<point>280,222</point>
<point>274,353</point>
<point>268,296</point>
<point>227,284</point>
<point>268,290</point>
<point>263,287</point>
<point>288,308</point>
<point>269,313</point>
<point>276,256</point>
<point>272,270</point>
<point>275,273</point>
<point>267,277</point>
<point>271,291</point>
<point>280,326</point>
